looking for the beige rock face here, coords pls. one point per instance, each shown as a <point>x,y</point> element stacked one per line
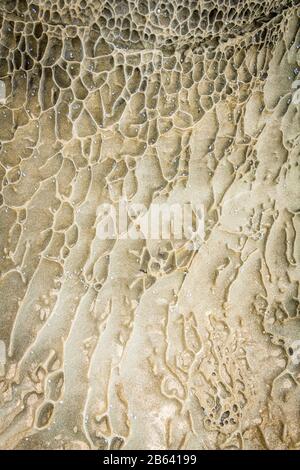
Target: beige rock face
<point>144,344</point>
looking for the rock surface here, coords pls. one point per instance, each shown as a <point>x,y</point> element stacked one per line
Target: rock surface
<point>142,344</point>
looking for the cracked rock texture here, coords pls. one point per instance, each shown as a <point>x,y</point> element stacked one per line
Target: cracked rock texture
<point>139,344</point>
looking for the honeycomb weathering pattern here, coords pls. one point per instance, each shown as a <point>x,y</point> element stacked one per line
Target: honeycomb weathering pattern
<point>135,344</point>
